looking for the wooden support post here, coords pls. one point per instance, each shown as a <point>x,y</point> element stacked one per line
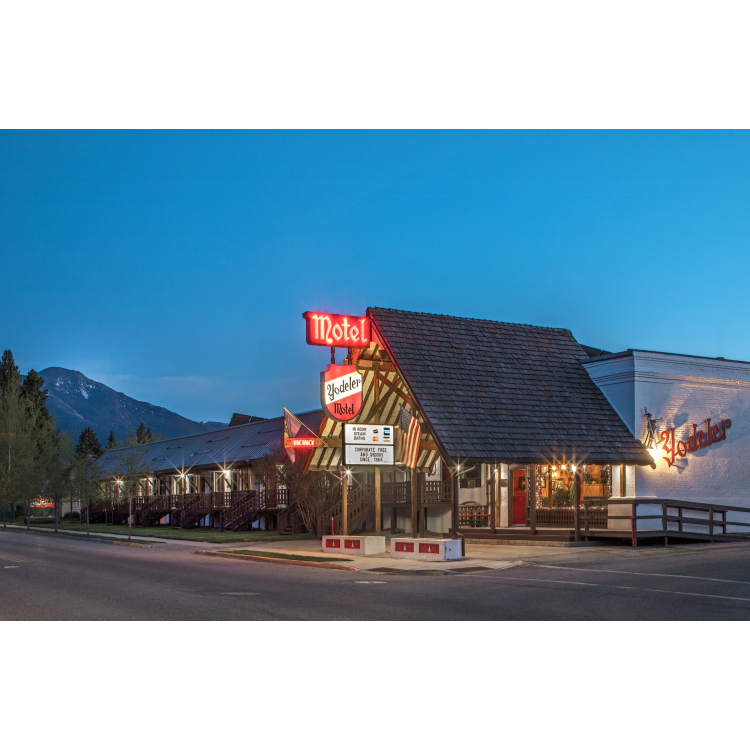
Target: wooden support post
<point>344,504</point>
<point>493,499</point>
<point>454,503</point>
<point>531,484</point>
<point>378,512</point>
<point>577,492</point>
<point>414,505</point>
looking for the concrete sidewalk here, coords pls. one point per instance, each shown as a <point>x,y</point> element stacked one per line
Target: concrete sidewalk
<point>488,556</point>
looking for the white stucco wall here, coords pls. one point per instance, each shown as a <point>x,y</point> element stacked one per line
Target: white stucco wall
<point>683,390</point>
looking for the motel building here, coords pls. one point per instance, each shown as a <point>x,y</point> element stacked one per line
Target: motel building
<point>525,433</point>
<point>445,427</point>
<point>219,479</point>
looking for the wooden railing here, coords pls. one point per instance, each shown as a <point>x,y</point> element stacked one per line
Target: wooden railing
<point>395,493</point>
<point>676,515</point>
<point>275,498</point>
<point>436,492</point>
<point>595,518</point>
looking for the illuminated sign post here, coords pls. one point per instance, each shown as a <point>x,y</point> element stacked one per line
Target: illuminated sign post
<point>369,444</point>
<point>324,329</point>
<point>340,385</point>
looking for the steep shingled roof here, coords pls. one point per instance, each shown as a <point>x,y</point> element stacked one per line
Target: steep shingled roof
<point>505,392</point>
<point>221,448</point>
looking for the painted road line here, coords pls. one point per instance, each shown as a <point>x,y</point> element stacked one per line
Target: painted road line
<point>238,593</point>
<point>15,559</point>
<point>683,593</point>
<point>607,586</point>
<point>631,573</point>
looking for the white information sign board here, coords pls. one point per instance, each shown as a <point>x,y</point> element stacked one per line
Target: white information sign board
<point>369,455</point>
<point>368,434</point>
<point>369,444</point>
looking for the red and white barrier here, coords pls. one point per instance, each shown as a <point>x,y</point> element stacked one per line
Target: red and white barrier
<point>354,545</point>
<point>426,549</point>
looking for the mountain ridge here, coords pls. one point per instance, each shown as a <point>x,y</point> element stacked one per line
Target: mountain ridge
<point>77,402</point>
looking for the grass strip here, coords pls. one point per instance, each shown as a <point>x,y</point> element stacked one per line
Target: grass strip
<point>286,556</point>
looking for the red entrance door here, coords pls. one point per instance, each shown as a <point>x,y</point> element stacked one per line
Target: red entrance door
<point>519,496</point>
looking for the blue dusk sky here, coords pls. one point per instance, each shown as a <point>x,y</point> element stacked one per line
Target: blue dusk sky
<point>175,266</point>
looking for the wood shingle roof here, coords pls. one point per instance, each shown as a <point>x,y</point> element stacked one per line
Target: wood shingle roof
<point>503,392</point>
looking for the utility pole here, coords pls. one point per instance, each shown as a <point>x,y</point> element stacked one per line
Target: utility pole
<point>130,514</point>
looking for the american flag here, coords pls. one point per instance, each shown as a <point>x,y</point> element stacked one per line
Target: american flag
<point>408,445</point>
<point>292,426</point>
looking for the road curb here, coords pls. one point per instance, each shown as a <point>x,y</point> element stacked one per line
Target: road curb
<point>280,560</point>
<point>66,535</point>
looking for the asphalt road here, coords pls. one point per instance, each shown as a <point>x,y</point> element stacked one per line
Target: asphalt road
<point>49,578</point>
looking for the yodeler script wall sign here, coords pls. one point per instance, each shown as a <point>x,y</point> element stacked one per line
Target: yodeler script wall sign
<point>324,329</point>
<point>341,392</point>
<point>675,449</point>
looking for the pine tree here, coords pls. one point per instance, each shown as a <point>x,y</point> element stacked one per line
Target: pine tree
<point>140,434</point>
<point>112,442</point>
<point>8,370</point>
<point>36,404</point>
<point>88,444</point>
<point>149,436</point>
<point>32,390</point>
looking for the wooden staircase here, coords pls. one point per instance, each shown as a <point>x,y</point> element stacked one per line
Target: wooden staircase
<point>290,521</point>
<point>360,506</point>
<point>151,512</point>
<point>193,507</point>
<point>96,511</point>
<point>117,512</point>
<point>245,509</point>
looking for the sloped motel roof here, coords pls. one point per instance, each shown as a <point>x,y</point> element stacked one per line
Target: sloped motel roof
<point>504,392</point>
<point>223,448</point>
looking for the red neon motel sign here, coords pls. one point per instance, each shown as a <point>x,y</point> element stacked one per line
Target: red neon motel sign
<point>302,442</point>
<point>324,329</point>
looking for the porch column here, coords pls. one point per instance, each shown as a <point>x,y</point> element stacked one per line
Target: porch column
<point>454,502</point>
<point>421,508</point>
<point>577,485</point>
<point>414,507</point>
<point>493,498</point>
<point>531,485</point>
<point>378,517</point>
<point>344,504</point>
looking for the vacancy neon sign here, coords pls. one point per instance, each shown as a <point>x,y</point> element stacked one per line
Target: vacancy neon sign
<point>325,329</point>
<point>302,442</point>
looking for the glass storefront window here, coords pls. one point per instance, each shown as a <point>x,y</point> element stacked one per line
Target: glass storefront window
<point>554,485</point>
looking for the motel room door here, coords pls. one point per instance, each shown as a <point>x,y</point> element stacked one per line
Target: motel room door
<point>519,494</point>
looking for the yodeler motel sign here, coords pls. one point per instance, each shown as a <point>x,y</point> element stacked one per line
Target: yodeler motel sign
<point>341,392</point>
